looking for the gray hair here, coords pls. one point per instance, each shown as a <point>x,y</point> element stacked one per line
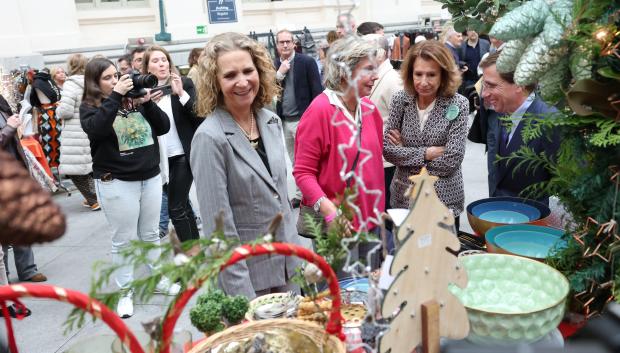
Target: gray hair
<point>284,31</point>
<point>380,42</point>
<point>449,32</point>
<point>342,57</point>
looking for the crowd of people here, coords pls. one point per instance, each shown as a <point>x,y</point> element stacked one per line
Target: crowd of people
<point>350,121</point>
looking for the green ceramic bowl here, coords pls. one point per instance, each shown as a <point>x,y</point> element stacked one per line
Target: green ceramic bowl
<point>511,299</point>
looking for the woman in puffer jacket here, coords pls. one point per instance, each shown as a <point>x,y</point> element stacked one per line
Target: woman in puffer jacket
<point>75,159</point>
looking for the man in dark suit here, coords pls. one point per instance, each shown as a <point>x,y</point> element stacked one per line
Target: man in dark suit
<point>516,103</point>
<point>298,74</point>
<point>472,50</point>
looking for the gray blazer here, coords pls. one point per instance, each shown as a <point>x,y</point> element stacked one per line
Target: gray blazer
<point>230,176</point>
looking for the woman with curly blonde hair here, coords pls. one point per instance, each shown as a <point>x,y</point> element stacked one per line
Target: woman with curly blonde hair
<point>427,126</point>
<point>238,160</point>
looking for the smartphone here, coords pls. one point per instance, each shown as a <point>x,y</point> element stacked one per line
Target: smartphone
<point>165,90</point>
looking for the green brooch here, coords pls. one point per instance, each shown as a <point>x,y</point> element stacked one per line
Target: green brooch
<point>453,112</point>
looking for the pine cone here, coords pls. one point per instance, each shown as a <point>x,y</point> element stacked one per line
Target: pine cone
<point>27,212</point>
<point>524,21</point>
<point>553,82</point>
<point>511,54</point>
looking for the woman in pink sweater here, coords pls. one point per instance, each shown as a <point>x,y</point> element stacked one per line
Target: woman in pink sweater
<point>332,126</point>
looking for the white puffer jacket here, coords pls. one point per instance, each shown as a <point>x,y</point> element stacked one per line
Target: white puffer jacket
<point>75,158</point>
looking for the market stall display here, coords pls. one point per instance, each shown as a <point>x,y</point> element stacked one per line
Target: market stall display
<point>329,338</point>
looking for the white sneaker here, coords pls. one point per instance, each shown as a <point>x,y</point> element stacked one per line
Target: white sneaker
<point>124,308</point>
<point>165,287</point>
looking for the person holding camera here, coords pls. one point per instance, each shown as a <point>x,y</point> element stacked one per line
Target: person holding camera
<point>177,101</point>
<point>122,123</point>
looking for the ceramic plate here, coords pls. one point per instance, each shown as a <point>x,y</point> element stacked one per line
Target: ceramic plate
<point>268,300</point>
<point>356,284</point>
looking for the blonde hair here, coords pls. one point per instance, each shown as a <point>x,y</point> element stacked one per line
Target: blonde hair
<point>342,57</point>
<point>209,93</point>
<point>437,52</point>
<point>55,70</point>
<point>76,64</point>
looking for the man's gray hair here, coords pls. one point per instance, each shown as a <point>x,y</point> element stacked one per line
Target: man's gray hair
<point>284,31</point>
<point>342,57</point>
<point>449,33</point>
<point>380,42</point>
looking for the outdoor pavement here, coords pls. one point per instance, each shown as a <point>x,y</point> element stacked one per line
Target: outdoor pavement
<point>68,263</point>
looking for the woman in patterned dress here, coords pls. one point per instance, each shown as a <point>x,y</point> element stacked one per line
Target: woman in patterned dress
<point>427,126</point>
<point>45,97</point>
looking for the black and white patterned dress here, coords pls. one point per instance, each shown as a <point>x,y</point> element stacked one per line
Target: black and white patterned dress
<point>438,131</point>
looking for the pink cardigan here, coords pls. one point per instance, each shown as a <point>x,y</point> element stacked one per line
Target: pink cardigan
<point>318,163</point>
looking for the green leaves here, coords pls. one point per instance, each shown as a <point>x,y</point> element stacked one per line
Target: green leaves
<point>204,266</point>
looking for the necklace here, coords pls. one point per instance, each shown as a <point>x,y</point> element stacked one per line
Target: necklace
<point>253,143</point>
<point>351,111</point>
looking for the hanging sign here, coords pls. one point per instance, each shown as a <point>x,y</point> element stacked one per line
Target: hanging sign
<point>222,11</point>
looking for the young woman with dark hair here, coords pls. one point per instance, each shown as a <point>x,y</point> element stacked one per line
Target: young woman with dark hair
<point>123,142</point>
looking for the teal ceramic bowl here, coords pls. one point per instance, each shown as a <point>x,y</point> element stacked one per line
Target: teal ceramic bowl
<point>493,212</point>
<point>534,242</point>
<point>511,299</point>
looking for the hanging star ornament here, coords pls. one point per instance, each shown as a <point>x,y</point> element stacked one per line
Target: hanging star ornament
<point>353,266</point>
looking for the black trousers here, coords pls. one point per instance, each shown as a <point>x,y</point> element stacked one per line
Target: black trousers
<point>179,208</point>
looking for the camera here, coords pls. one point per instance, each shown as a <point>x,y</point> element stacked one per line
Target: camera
<point>140,82</point>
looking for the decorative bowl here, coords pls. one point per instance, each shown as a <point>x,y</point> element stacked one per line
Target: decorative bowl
<point>491,212</point>
<point>282,299</point>
<point>534,242</point>
<point>354,283</point>
<point>511,299</point>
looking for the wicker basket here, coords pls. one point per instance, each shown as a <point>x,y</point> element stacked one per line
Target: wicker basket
<point>249,329</point>
<point>331,335</point>
<point>78,299</point>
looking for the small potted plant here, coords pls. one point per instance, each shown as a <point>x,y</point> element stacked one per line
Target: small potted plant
<point>214,311</point>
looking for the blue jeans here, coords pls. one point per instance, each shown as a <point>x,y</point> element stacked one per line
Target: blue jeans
<point>164,218</point>
<point>131,209</point>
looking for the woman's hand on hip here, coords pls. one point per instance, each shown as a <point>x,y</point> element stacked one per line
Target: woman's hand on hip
<point>176,84</point>
<point>434,152</point>
<point>395,138</point>
<point>124,85</point>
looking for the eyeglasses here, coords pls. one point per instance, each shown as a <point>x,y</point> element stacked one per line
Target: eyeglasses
<point>283,42</point>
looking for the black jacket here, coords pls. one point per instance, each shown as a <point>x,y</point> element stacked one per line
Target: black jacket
<point>43,82</point>
<point>185,118</point>
<point>123,146</point>
<point>307,82</point>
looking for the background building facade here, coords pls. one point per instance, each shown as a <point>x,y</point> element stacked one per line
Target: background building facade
<point>45,32</point>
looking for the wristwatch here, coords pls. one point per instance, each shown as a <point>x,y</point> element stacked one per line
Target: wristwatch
<point>317,204</point>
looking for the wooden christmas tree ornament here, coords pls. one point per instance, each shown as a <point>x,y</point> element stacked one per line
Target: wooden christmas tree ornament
<point>423,268</point>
